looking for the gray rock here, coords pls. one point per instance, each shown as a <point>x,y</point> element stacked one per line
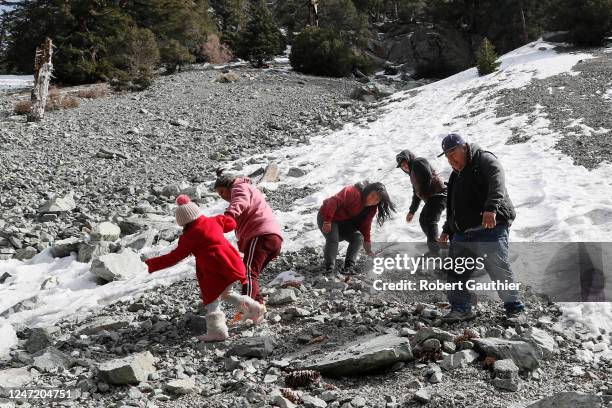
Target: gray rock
<point>17,377</point>
<point>128,370</point>
<point>40,338</point>
<point>92,249</point>
<point>59,204</point>
<point>313,402</point>
<point>4,277</point>
<point>197,324</point>
<point>259,347</point>
<point>171,190</point>
<point>139,240</point>
<point>569,400</point>
<point>65,247</point>
<point>542,339</point>
<point>431,333</point>
<point>25,253</point>
<point>508,384</point>
<point>365,354</point>
<point>460,359</point>
<point>296,172</point>
<point>271,174</point>
<point>6,253</point>
<point>194,192</point>
<point>358,402</point>
<point>282,402</point>
<point>52,359</point>
<point>431,345</point>
<point>370,92</point>
<point>181,386</point>
<point>505,369</point>
<point>436,377</point>
<point>106,231</point>
<point>423,395</point>
<point>103,323</point>
<point>281,297</point>
<point>525,355</point>
<point>121,266</point>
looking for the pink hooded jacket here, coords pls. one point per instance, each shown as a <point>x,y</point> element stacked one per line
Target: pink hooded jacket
<point>253,215</point>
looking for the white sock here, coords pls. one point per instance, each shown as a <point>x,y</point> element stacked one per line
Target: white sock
<point>213,307</point>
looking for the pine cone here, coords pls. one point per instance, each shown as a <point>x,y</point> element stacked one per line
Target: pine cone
<point>291,395</point>
<point>302,378</point>
<point>468,334</point>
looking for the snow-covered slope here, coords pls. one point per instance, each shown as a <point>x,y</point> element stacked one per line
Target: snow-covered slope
<point>555,200</point>
<point>15,81</point>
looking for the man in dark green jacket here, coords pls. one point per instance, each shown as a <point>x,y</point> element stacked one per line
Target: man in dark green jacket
<point>427,186</point>
<point>478,215</point>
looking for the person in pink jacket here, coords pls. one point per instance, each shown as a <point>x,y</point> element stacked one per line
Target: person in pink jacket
<point>259,234</point>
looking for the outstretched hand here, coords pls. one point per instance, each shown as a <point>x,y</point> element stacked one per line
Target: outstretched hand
<point>409,217</point>
<point>443,238</point>
<point>327,227</point>
<point>367,246</point>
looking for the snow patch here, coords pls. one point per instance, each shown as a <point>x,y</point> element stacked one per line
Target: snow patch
<point>16,81</point>
<point>8,337</point>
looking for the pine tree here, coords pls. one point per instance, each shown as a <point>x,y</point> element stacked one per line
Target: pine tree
<point>261,39</point>
<point>486,58</point>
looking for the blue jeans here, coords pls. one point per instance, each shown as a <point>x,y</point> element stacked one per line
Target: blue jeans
<point>492,246</point>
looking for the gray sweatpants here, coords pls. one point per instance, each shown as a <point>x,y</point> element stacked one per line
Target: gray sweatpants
<point>341,231</point>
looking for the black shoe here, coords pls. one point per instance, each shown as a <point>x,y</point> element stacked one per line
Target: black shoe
<point>456,316</point>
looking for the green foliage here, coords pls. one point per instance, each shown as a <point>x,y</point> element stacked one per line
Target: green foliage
<point>261,39</point>
<point>96,39</point>
<point>320,51</point>
<point>486,58</point>
<point>588,21</point>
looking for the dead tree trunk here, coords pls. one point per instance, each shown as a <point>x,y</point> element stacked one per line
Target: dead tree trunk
<point>525,35</point>
<point>43,71</point>
<point>313,13</point>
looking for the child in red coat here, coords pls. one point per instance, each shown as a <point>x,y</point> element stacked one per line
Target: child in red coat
<point>218,265</point>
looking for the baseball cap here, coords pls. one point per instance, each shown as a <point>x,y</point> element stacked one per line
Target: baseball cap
<point>451,141</point>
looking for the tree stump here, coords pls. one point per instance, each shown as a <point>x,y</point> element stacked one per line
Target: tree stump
<point>43,71</point>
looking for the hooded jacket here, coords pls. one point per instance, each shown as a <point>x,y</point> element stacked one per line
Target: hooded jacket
<point>480,186</point>
<point>425,180</point>
<point>253,215</point>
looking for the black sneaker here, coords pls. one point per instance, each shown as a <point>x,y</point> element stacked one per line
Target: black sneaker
<point>456,316</point>
<point>515,315</point>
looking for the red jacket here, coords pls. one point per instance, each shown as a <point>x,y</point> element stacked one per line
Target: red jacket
<point>253,215</point>
<point>348,205</point>
<point>218,263</point>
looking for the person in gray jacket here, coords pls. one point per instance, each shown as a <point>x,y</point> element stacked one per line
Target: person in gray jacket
<point>479,213</point>
<point>427,186</point>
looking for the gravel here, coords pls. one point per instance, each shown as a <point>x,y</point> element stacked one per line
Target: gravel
<point>570,102</point>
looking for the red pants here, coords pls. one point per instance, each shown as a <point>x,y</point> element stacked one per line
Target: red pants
<point>260,251</point>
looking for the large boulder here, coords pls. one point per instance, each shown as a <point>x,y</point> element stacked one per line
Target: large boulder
<point>569,400</point>
<point>128,370</point>
<point>121,266</point>
<point>429,51</point>
<point>139,240</point>
<point>364,355</point>
<point>525,355</point>
<point>431,333</point>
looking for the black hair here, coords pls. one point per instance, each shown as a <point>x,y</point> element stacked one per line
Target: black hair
<point>385,206</point>
<point>223,180</point>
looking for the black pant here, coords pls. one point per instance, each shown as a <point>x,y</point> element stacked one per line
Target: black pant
<point>429,218</point>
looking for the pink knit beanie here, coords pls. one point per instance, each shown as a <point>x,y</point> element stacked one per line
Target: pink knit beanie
<point>186,211</point>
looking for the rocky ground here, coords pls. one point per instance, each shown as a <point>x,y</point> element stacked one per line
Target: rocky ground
<point>127,154</point>
<point>327,341</point>
<point>577,106</point>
